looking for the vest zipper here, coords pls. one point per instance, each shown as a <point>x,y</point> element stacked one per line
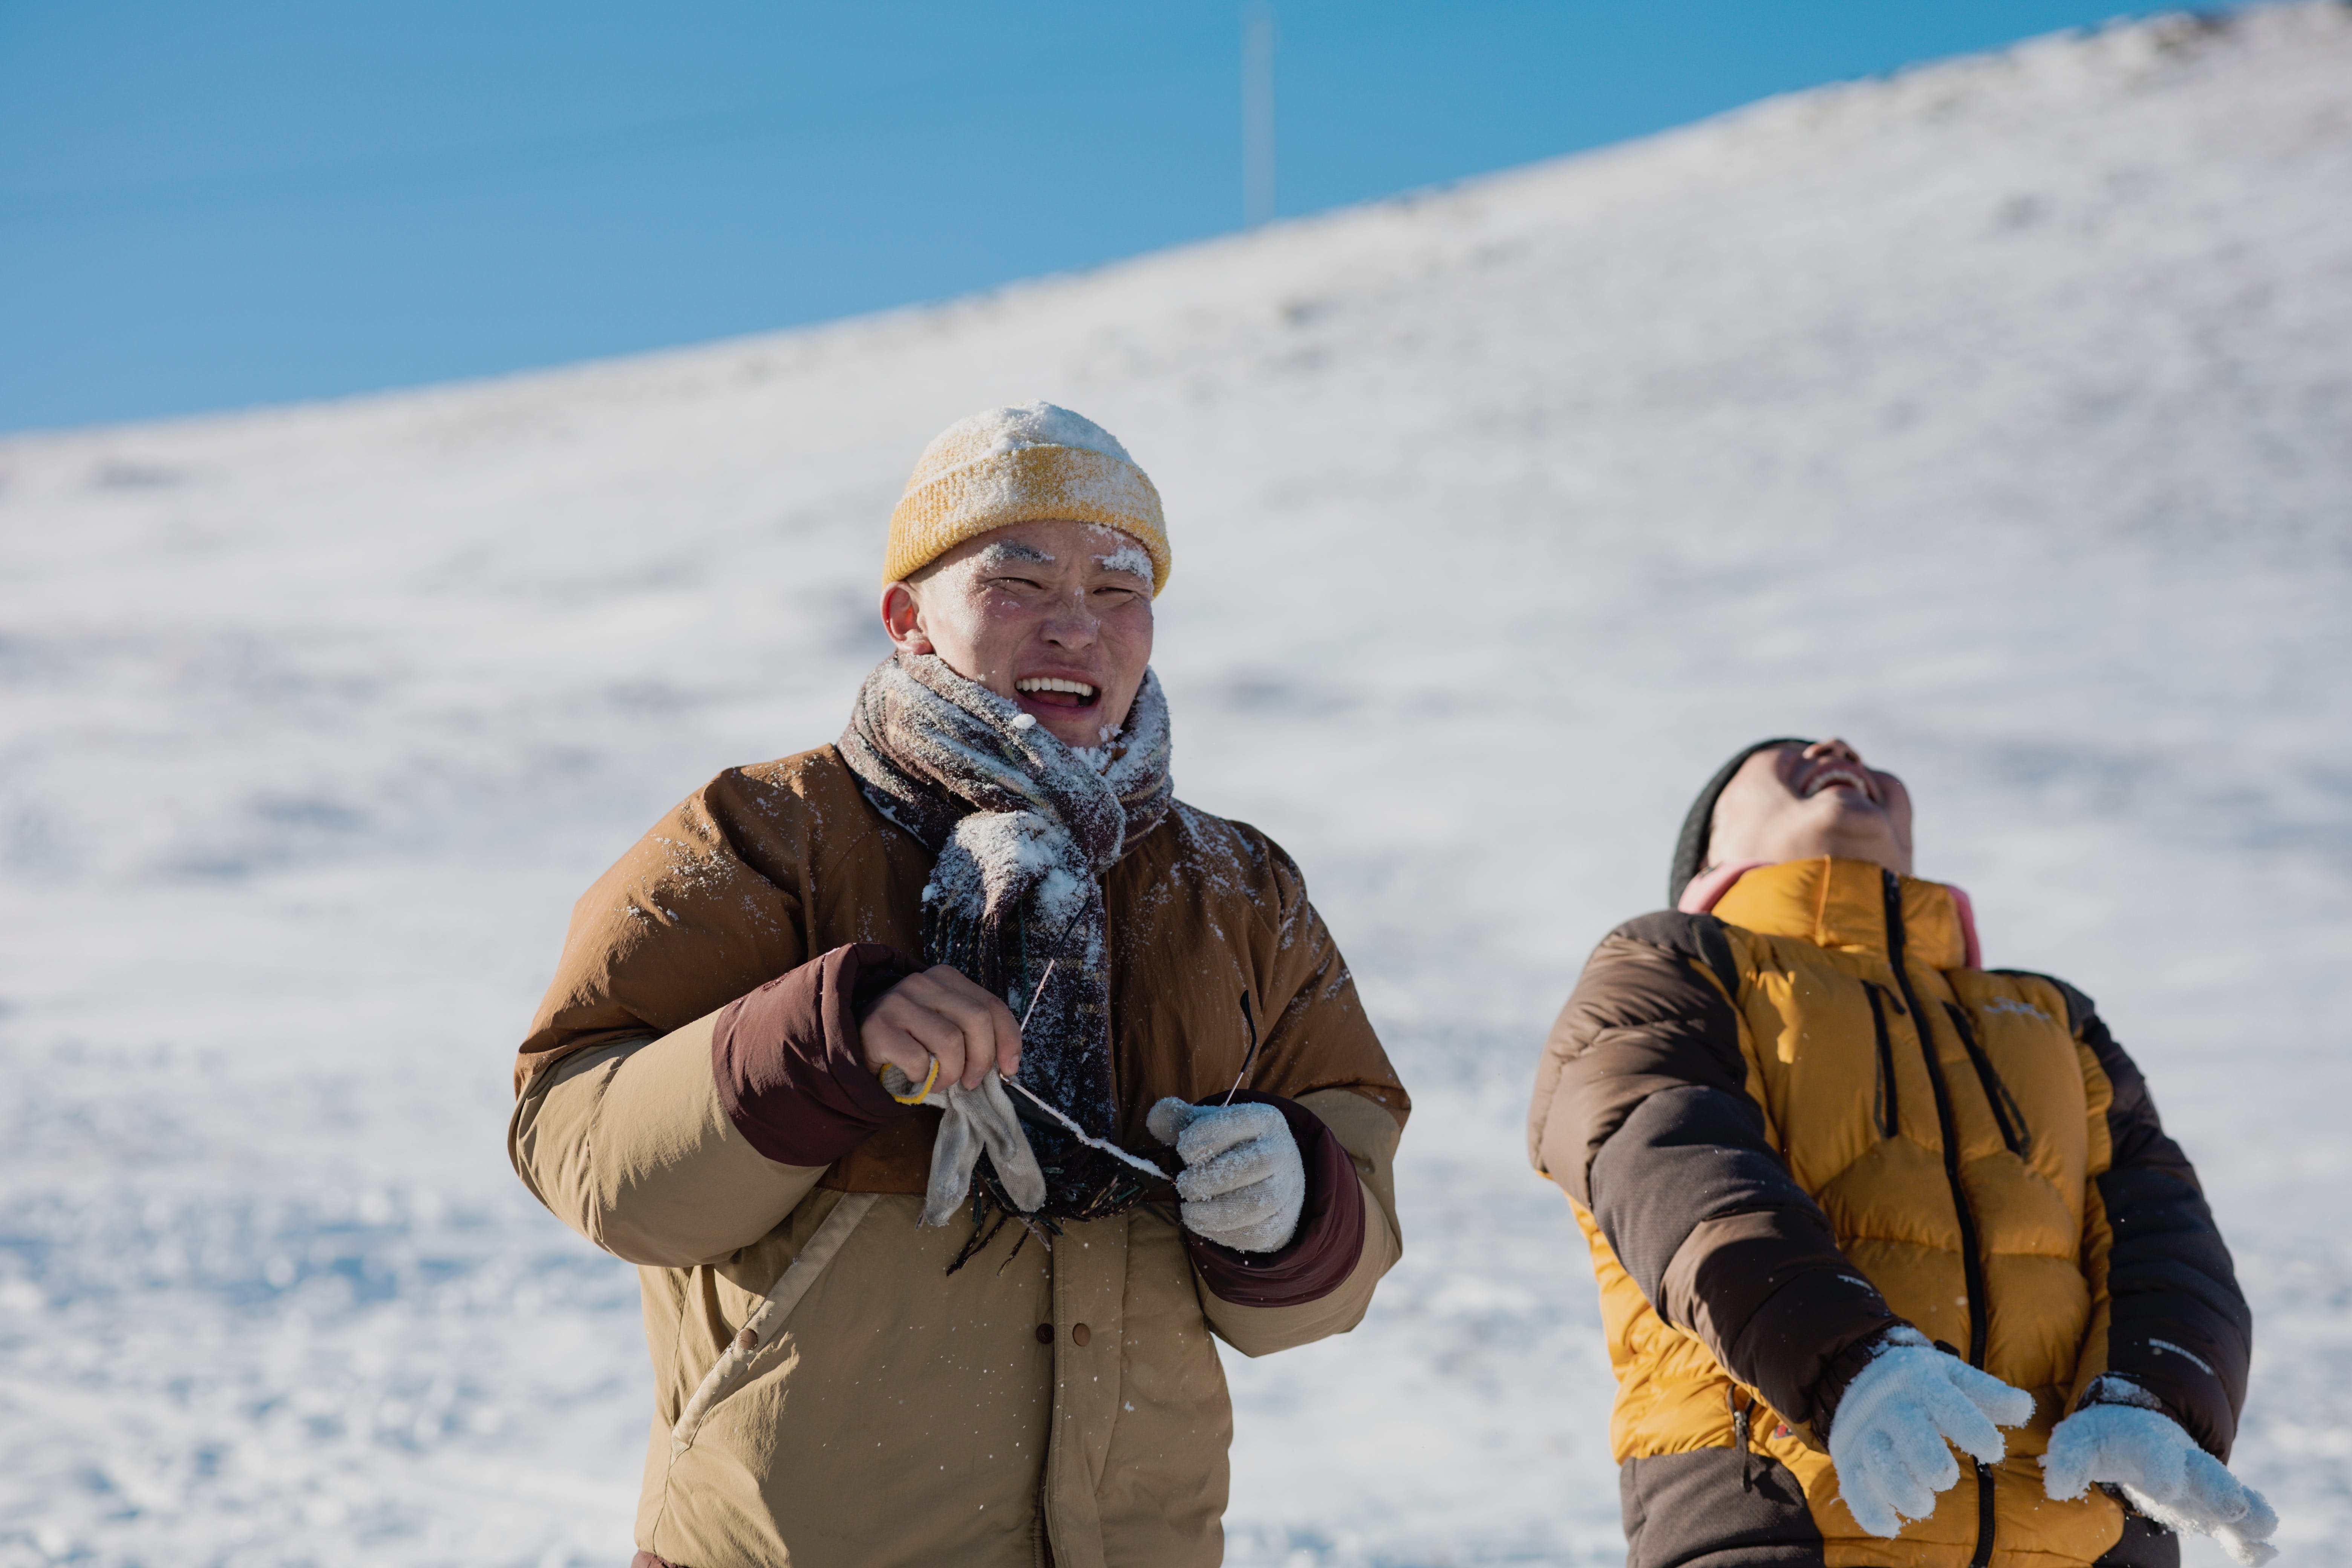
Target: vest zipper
<point>1890,1121</point>
<point>1971,1264</point>
<point>1742,1424</point>
<point>2006,1112</point>
<point>1983,1554</point>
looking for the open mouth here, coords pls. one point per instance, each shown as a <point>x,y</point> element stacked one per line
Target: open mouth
<point>1837,775</point>
<point>1058,691</point>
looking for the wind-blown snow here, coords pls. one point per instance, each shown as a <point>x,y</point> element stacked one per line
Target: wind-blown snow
<point>1993,417</point>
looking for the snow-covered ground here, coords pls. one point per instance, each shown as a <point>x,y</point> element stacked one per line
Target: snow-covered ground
<point>1998,417</point>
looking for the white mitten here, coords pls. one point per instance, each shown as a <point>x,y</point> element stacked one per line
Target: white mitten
<point>978,1120</point>
<point>2164,1473</point>
<point>1892,1437</point>
<point>1244,1182</point>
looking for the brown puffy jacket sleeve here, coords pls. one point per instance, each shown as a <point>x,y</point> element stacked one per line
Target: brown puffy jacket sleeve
<point>1642,1115</point>
<point>2177,1324</point>
<point>679,1151</point>
<point>787,1062</point>
<point>1320,1064</point>
<point>1322,1252</point>
<point>700,911</point>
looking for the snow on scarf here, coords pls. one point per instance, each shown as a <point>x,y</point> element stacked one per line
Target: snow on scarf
<point>1023,827</point>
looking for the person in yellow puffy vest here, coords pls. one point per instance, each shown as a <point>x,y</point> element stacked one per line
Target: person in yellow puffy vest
<point>1897,1265</point>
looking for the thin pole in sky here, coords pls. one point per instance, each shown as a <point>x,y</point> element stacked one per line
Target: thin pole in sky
<point>1258,112</point>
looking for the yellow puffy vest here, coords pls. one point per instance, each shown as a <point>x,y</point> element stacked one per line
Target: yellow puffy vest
<point>1862,1127</point>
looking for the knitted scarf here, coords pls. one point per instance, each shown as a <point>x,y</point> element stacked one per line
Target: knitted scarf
<point>1023,827</point>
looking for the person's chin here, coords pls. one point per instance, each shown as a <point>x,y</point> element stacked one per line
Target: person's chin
<point>1844,809</point>
<point>1867,841</point>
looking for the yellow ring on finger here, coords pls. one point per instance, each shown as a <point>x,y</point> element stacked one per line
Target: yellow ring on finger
<point>920,1095</point>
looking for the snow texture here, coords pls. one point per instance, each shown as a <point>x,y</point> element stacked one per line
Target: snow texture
<point>1991,416</point>
<point>1030,424</point>
<point>1899,1421</point>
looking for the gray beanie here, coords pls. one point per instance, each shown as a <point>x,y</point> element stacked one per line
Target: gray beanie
<point>1690,848</point>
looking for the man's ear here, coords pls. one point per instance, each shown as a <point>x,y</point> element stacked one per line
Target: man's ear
<point>902,619</point>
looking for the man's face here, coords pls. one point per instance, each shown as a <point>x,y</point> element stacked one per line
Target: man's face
<point>1793,803</point>
<point>1055,615</point>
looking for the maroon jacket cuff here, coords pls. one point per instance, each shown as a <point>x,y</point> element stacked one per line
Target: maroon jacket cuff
<point>787,1061</point>
<point>1331,1235</point>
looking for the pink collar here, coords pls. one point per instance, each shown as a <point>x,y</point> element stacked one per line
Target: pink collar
<point>1706,889</point>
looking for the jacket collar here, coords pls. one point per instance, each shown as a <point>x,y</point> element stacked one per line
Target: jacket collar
<point>1841,905</point>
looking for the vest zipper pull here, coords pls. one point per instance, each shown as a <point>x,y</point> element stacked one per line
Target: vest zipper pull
<point>1739,1425</point>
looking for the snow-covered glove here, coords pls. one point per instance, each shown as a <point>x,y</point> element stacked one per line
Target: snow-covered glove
<point>1892,1437</point>
<point>2162,1470</point>
<point>1244,1182</point>
<point>978,1120</point>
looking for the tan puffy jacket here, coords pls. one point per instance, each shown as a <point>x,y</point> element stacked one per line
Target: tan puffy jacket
<point>1064,1407</point>
<point>1794,1122</point>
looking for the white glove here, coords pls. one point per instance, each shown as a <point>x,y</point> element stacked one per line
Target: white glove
<point>978,1120</point>
<point>1242,1182</point>
<point>2164,1473</point>
<point>1892,1437</point>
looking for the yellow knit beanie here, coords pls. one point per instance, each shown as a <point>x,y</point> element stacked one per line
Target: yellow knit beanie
<point>1021,464</point>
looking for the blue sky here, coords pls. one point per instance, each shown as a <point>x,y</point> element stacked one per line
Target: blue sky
<point>206,207</point>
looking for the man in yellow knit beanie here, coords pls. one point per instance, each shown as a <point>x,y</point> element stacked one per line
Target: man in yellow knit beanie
<point>1022,465</point>
<point>954,1085</point>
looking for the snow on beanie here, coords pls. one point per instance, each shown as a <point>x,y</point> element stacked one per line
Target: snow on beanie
<point>1690,848</point>
<point>1022,465</point>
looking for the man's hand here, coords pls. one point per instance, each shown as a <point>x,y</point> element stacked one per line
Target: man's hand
<point>941,1015</point>
<point>2164,1473</point>
<point>1892,1437</point>
<point>1244,1182</point>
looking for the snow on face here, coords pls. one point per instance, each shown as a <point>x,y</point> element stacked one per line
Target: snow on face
<point>1003,615</point>
<point>1006,552</point>
<point>1129,556</point>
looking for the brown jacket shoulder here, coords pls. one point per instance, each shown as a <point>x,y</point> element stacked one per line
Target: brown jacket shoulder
<point>721,895</point>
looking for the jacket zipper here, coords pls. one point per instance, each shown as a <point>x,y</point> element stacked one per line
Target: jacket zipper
<point>1742,1432</point>
<point>2006,1112</point>
<point>1971,1265</point>
<point>1890,1121</point>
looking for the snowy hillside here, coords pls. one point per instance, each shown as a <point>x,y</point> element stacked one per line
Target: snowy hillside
<point>1998,417</point>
